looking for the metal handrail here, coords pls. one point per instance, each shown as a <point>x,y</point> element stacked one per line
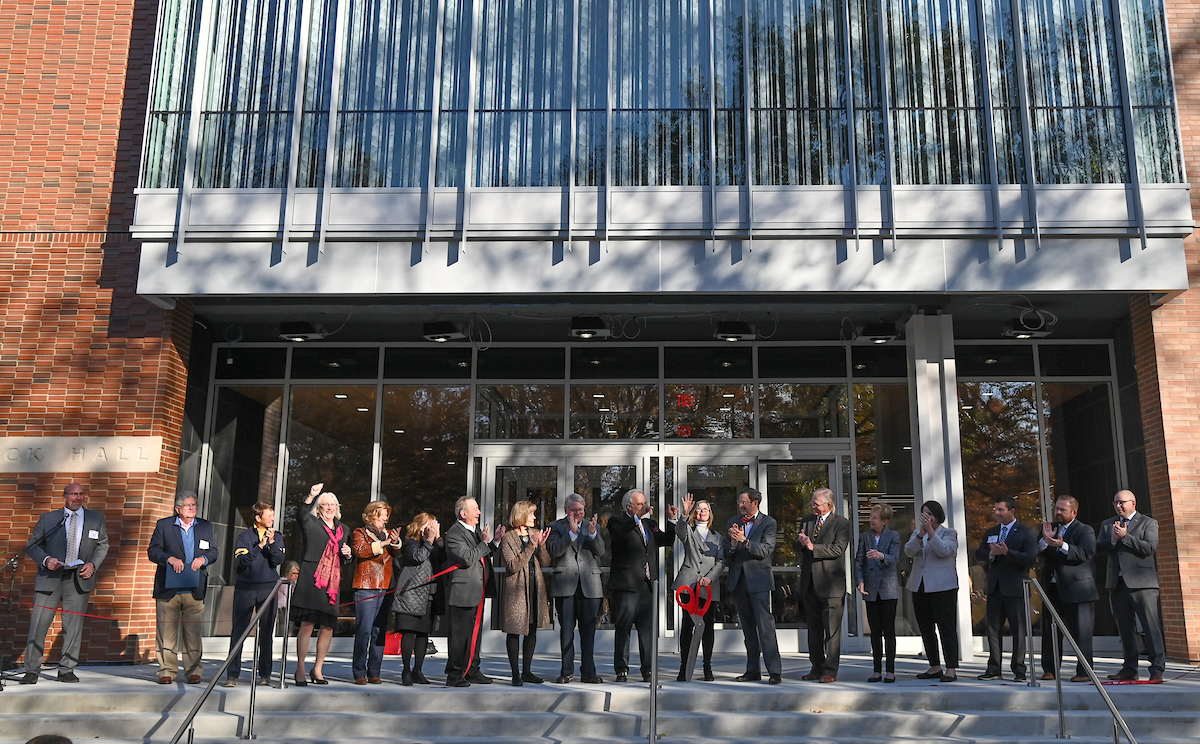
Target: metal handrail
<point>233,648</point>
<point>1118,719</point>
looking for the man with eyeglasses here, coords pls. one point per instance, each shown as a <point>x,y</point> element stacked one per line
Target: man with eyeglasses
<point>576,546</point>
<point>1128,542</point>
<point>68,545</point>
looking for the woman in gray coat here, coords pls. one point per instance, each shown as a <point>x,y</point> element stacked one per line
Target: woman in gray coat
<point>703,559</point>
<point>413,603</point>
<point>875,576</point>
<point>933,580</point>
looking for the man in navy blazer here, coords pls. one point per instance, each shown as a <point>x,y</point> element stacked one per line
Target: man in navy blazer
<point>1128,541</point>
<point>1008,550</point>
<point>751,544</point>
<point>68,545</point>
<point>1068,576</point>
<point>183,547</point>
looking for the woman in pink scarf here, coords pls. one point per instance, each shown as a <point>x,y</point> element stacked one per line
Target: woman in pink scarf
<point>323,552</point>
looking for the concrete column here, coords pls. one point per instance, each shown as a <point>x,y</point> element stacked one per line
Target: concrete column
<point>937,458</point>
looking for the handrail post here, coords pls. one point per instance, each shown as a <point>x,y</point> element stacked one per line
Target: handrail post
<point>1057,651</point>
<point>654,667</point>
<point>1030,676</point>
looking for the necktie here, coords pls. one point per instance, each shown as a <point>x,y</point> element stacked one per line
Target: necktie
<point>1004,532</point>
<point>820,523</point>
<point>747,519</point>
<point>72,541</point>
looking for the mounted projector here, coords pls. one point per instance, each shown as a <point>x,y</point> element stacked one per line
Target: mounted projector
<point>734,330</point>
<point>879,333</point>
<point>1026,327</point>
<point>442,331</point>
<point>300,330</point>
<point>589,326</point>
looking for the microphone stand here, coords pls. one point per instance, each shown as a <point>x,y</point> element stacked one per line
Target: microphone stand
<point>6,633</point>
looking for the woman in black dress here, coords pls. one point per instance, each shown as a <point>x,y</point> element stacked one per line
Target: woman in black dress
<point>413,603</point>
<point>324,550</point>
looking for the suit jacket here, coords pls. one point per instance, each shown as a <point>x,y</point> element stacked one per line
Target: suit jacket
<point>1073,573</point>
<point>49,538</point>
<point>823,567</point>
<point>1133,557</point>
<point>575,561</point>
<point>167,542</point>
<point>878,576</point>
<point>933,563</point>
<point>467,550</point>
<point>1006,572</point>
<point>701,558</point>
<point>752,558</point>
<point>632,554</point>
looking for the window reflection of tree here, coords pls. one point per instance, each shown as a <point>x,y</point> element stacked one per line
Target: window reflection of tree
<point>622,411</point>
<point>519,412</point>
<point>415,479</point>
<point>810,411</point>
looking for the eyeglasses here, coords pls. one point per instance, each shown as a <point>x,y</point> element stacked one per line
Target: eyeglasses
<point>1127,501</point>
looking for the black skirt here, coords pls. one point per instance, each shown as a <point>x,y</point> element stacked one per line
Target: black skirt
<point>404,623</point>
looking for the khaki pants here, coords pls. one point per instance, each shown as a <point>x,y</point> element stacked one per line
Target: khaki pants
<point>181,610</point>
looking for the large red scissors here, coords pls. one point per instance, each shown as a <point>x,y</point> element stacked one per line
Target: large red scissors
<point>697,610</point>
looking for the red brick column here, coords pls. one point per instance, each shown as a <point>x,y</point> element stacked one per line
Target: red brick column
<point>80,354</point>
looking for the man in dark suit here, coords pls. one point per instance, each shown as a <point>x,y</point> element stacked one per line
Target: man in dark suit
<point>183,547</point>
<point>1008,550</point>
<point>1128,542</point>
<point>821,542</point>
<point>751,545</point>
<point>1068,576</point>
<point>576,546</point>
<point>636,540</point>
<point>68,545</point>
<point>470,549</point>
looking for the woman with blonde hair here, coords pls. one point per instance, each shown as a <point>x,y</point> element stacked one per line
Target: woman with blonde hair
<point>703,559</point>
<point>523,550</point>
<point>412,606</point>
<point>374,547</point>
<point>876,579</point>
<point>324,548</point>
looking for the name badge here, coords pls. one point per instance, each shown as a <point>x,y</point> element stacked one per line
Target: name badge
<point>93,534</point>
<point>204,544</point>
<point>993,538</point>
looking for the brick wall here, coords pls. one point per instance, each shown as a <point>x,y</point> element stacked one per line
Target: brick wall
<point>80,354</point>
<point>1167,340</point>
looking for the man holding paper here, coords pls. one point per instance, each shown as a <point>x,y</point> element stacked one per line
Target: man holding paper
<point>68,545</point>
<point>183,547</point>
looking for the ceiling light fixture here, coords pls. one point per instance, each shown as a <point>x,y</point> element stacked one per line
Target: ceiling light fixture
<point>441,331</point>
<point>734,330</point>
<point>300,330</point>
<point>589,326</point>
<point>1031,323</point>
<point>340,396</point>
<point>879,333</point>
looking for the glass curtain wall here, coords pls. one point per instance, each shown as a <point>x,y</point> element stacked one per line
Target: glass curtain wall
<point>1151,91</point>
<point>171,96</point>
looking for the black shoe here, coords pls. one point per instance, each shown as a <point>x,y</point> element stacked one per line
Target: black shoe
<point>987,676</point>
<point>67,676</point>
<point>592,680</point>
<point>531,678</point>
<point>681,677</point>
<point>406,679</point>
<point>622,676</point>
<point>646,676</point>
<point>516,680</point>
<point>949,678</point>
<point>479,679</point>
<point>932,675</point>
<point>1019,678</point>
<point>299,680</point>
<point>708,674</point>
<point>418,678</point>
<point>457,682</point>
<point>563,679</point>
<point>748,677</point>
<point>30,678</point>
<point>312,677</point>
<point>774,679</point>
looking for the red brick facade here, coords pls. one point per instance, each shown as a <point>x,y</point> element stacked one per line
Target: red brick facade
<point>80,354</point>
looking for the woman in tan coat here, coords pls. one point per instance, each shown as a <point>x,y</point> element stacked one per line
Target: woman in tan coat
<point>523,550</point>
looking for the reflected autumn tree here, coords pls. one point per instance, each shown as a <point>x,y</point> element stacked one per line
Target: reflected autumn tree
<point>424,449</point>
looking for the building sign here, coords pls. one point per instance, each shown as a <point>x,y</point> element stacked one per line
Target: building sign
<point>80,454</point>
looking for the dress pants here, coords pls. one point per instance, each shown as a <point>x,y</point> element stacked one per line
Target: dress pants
<point>246,600</point>
<point>1142,603</point>
<point>461,659</point>
<point>824,616</point>
<point>577,610</point>
<point>758,629</point>
<point>938,612</point>
<point>46,607</point>
<point>1000,608</point>
<point>881,615</point>
<point>632,609</point>
<point>707,636</point>
<point>178,634</point>
<point>1080,618</point>
<point>369,632</point>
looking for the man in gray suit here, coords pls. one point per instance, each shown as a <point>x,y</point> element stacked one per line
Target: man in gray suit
<point>821,542</point>
<point>1128,541</point>
<point>751,544</point>
<point>68,545</point>
<point>470,549</point>
<point>1068,576</point>
<point>576,546</point>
